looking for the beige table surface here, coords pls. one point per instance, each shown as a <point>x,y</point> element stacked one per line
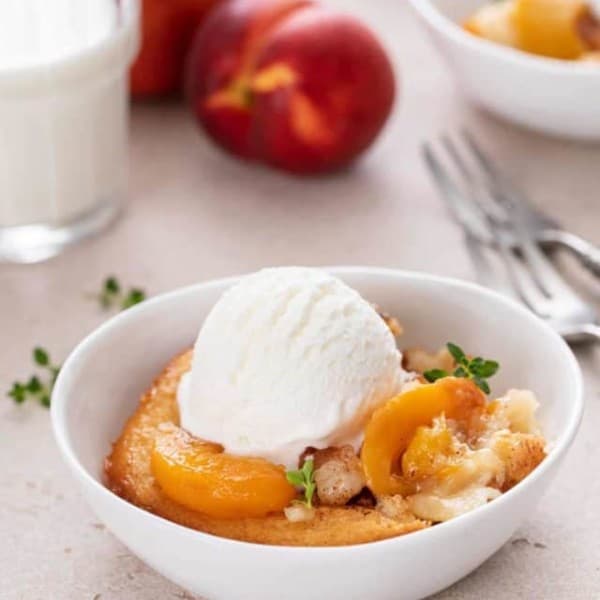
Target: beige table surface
<point>195,214</point>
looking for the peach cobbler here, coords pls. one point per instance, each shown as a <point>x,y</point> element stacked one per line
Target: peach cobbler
<point>296,420</point>
<point>563,29</point>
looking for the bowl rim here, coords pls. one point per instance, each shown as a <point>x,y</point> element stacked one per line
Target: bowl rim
<point>60,403</point>
<point>438,21</point>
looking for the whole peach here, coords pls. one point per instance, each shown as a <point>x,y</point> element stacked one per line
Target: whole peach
<point>289,83</point>
<point>167,30</point>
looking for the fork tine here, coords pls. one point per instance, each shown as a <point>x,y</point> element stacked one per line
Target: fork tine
<point>461,165</point>
<point>546,275</point>
<point>485,197</point>
<point>454,199</point>
<point>503,191</point>
<point>478,151</point>
<point>469,217</point>
<point>517,193</point>
<point>504,188</point>
<point>481,193</point>
<point>521,281</point>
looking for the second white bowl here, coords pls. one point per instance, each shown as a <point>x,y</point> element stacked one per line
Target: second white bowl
<point>556,97</point>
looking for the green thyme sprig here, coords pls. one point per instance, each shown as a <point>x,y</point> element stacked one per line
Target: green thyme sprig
<point>37,387</point>
<point>304,478</point>
<point>113,295</point>
<point>477,369</point>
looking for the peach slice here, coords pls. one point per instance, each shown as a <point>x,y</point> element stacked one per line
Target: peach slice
<point>550,28</point>
<point>431,451</point>
<point>200,476</point>
<point>393,426</point>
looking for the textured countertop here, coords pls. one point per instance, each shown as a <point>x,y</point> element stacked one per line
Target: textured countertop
<point>194,214</point>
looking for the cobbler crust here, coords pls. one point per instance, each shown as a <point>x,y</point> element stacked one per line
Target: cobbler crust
<point>128,474</point>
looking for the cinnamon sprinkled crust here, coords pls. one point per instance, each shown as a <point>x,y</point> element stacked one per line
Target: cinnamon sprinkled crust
<point>129,475</point>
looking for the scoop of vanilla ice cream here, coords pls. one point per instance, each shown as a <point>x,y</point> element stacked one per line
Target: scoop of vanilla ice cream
<point>289,357</point>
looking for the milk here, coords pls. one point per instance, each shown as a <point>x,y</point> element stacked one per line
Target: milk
<point>63,110</point>
<point>34,32</point>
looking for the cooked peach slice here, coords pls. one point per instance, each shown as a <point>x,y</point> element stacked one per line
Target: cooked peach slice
<point>550,28</point>
<point>200,476</point>
<point>432,450</point>
<point>393,426</point>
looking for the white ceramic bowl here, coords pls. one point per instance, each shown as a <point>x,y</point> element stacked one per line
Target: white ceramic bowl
<point>99,386</point>
<point>556,97</point>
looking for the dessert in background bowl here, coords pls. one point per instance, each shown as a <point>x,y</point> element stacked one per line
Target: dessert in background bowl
<point>563,29</point>
<point>407,444</point>
<point>515,67</point>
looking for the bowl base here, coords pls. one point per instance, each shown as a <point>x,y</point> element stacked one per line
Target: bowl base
<point>39,242</point>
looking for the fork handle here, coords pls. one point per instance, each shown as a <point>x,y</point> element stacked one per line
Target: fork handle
<point>581,333</point>
<point>587,253</point>
<point>592,331</point>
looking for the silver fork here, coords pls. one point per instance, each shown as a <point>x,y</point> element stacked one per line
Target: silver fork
<point>486,206</point>
<point>542,228</point>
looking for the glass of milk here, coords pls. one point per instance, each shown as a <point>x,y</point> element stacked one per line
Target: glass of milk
<point>63,120</point>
